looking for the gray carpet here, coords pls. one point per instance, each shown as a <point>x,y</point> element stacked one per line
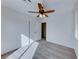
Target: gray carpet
<point>47,50</point>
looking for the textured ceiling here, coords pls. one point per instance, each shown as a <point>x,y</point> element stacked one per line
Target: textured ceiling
<point>23,7</point>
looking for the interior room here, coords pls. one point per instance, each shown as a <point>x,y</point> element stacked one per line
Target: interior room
<point>39,29</point>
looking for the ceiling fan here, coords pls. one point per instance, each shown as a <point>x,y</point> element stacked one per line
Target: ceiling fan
<point>42,12</point>
<point>28,0</point>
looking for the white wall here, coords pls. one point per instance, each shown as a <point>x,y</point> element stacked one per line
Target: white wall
<point>10,30</point>
<point>62,30</point>
<point>61,24</point>
<point>35,28</point>
<point>76,31</point>
<point>14,25</point>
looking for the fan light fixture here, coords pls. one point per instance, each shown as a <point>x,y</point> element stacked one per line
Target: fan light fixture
<point>42,16</point>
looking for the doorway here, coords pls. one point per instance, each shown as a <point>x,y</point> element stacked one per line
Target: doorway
<point>43,31</point>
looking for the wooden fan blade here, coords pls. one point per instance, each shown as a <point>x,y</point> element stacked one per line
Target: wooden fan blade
<point>37,15</point>
<point>29,0</point>
<point>32,12</point>
<point>40,7</point>
<point>49,11</point>
<point>46,15</point>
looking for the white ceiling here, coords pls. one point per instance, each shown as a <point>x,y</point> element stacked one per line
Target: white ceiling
<point>23,7</point>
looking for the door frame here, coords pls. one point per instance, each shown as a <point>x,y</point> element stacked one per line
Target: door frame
<point>45,29</point>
